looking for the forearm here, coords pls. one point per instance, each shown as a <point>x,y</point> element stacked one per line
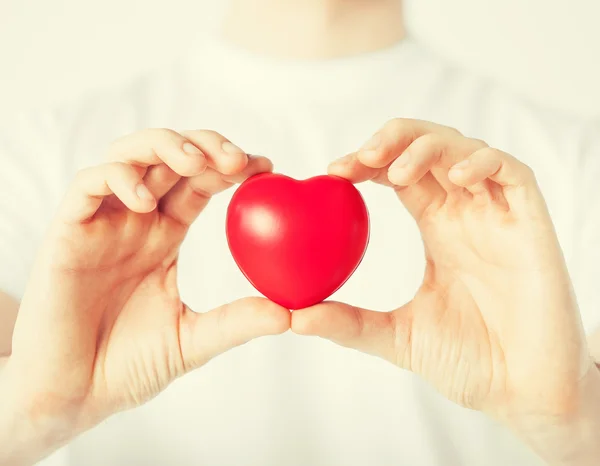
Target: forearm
<point>8,316</point>
<point>572,439</point>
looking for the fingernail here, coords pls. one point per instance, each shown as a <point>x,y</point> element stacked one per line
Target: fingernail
<point>396,176</point>
<point>232,149</point>
<point>398,170</point>
<point>461,165</point>
<point>191,149</point>
<point>372,143</point>
<point>144,193</point>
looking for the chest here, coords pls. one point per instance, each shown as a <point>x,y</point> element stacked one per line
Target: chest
<point>291,400</point>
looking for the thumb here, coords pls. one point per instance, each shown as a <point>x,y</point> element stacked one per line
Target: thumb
<point>383,334</point>
<point>203,336</point>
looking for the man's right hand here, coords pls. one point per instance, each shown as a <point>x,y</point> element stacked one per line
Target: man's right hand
<point>101,327</point>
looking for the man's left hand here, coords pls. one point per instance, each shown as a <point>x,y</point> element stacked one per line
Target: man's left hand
<point>495,324</point>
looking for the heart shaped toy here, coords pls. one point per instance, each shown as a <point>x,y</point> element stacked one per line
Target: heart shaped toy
<point>297,241</point>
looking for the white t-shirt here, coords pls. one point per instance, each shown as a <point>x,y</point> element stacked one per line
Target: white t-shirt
<point>291,400</point>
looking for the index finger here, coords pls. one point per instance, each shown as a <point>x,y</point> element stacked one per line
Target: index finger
<point>395,137</point>
<point>371,161</point>
<point>155,146</point>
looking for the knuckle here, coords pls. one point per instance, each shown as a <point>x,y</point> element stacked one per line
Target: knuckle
<point>162,133</point>
<point>82,175</point>
<point>524,174</point>
<point>479,143</point>
<point>527,171</point>
<point>159,136</point>
<point>115,147</point>
<point>108,171</point>
<point>430,146</point>
<point>491,153</point>
<point>453,131</point>
<point>201,134</point>
<point>117,167</point>
<point>430,140</point>
<point>397,125</point>
<point>211,133</point>
<point>162,173</point>
<point>402,130</point>
<point>119,170</point>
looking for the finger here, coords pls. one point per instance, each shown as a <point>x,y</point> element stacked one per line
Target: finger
<point>500,167</point>
<point>380,334</point>
<point>415,198</point>
<point>393,139</point>
<point>191,195</point>
<point>516,179</point>
<point>475,180</point>
<point>92,185</point>
<point>204,336</point>
<point>418,197</point>
<point>256,164</point>
<point>155,146</point>
<point>160,179</point>
<point>222,154</point>
<point>434,153</point>
<point>350,168</point>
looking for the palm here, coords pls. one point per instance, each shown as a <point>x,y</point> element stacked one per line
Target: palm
<point>132,366</point>
<point>119,267</point>
<point>136,272</point>
<point>482,268</point>
<point>457,309</point>
<point>490,272</point>
<point>495,316</point>
<point>119,243</point>
<point>102,326</point>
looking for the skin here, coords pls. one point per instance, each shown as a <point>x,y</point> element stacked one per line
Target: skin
<point>314,29</point>
<point>101,327</point>
<point>8,316</point>
<point>494,326</point>
<point>495,289</point>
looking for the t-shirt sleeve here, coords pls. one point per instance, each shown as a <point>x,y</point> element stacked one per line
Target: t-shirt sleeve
<point>586,258</point>
<point>31,184</point>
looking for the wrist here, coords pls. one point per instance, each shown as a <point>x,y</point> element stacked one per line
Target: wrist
<point>570,437</point>
<point>27,436</point>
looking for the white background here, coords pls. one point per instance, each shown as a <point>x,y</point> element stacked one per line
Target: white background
<point>51,50</point>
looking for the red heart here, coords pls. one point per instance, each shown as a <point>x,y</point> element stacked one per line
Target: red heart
<point>297,242</point>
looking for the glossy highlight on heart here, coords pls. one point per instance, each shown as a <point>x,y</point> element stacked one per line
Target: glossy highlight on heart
<point>297,241</point>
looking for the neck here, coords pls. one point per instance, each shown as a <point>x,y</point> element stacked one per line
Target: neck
<point>313,29</point>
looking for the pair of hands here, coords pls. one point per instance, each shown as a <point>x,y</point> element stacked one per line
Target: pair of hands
<point>494,326</point>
